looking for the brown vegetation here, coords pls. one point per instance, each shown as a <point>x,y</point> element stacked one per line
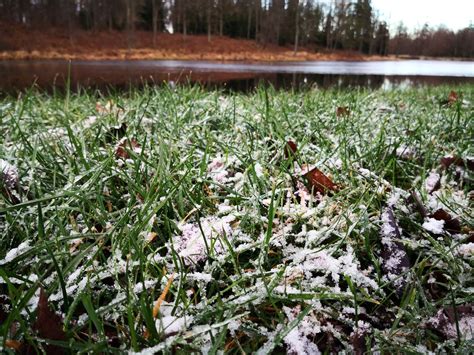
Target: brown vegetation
<point>55,43</point>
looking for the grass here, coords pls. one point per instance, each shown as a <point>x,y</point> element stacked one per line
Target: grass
<point>115,242</point>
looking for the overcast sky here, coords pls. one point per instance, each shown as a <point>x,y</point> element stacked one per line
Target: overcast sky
<point>454,14</point>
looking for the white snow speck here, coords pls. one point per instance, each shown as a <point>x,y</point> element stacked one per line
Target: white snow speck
<point>466,250</point>
<point>434,226</point>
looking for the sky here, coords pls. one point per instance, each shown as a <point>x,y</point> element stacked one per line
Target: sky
<point>454,14</point>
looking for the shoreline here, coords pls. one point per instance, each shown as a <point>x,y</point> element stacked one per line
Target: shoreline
<point>231,57</point>
<point>21,43</point>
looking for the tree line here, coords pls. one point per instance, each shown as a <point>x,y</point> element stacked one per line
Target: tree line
<point>339,24</point>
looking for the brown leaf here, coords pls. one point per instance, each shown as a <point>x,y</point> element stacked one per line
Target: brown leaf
<point>105,109</point>
<point>444,322</point>
<point>470,163</point>
<point>452,97</point>
<point>319,182</point>
<point>290,149</point>
<point>342,111</point>
<point>13,344</point>
<point>450,224</point>
<point>123,145</point>
<point>448,160</point>
<point>48,324</point>
<point>358,340</point>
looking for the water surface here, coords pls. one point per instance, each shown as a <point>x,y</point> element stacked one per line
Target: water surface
<point>18,75</point>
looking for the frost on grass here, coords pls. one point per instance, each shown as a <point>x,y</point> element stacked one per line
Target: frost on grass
<point>395,262</point>
<point>300,339</point>
<point>433,182</point>
<point>433,225</point>
<point>16,252</point>
<point>196,199</point>
<point>203,239</point>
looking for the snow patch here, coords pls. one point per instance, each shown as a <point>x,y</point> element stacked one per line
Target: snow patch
<point>16,252</point>
<point>433,225</point>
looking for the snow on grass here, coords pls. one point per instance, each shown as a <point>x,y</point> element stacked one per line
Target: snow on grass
<point>434,226</point>
<point>16,252</point>
<point>210,197</point>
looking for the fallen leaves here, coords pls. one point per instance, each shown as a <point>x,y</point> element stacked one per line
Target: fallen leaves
<point>109,108</point>
<point>433,182</point>
<point>319,182</point>
<point>342,111</point>
<point>315,179</point>
<point>449,160</point>
<point>13,344</point>
<point>453,97</point>
<point>451,224</point>
<point>290,149</point>
<point>48,324</point>
<point>453,322</point>
<point>124,146</point>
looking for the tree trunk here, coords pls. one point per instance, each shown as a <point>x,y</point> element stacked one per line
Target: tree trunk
<point>249,23</point>
<point>257,18</point>
<point>209,5</point>
<point>129,24</point>
<point>297,26</point>
<point>221,18</point>
<point>155,20</point>
<point>185,26</point>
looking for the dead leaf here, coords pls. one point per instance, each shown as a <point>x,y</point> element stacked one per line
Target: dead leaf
<point>103,109</point>
<point>453,97</point>
<point>470,163</point>
<point>13,344</point>
<point>48,325</point>
<point>445,320</point>
<point>358,340</point>
<point>449,160</point>
<point>151,237</point>
<point>290,149</point>
<point>451,224</point>
<point>342,111</point>
<point>319,182</point>
<point>126,144</point>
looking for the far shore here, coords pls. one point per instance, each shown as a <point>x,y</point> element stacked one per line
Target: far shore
<point>231,56</point>
<point>20,43</point>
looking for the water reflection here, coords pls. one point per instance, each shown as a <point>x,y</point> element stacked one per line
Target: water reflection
<point>19,75</point>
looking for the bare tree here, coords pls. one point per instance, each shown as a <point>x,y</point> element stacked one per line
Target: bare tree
<point>297,26</point>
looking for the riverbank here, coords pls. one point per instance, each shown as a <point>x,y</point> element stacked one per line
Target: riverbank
<point>19,42</point>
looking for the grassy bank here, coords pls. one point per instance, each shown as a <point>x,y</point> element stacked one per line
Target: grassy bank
<point>181,220</point>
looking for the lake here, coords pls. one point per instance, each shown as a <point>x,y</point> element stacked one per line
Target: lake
<point>117,74</point>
